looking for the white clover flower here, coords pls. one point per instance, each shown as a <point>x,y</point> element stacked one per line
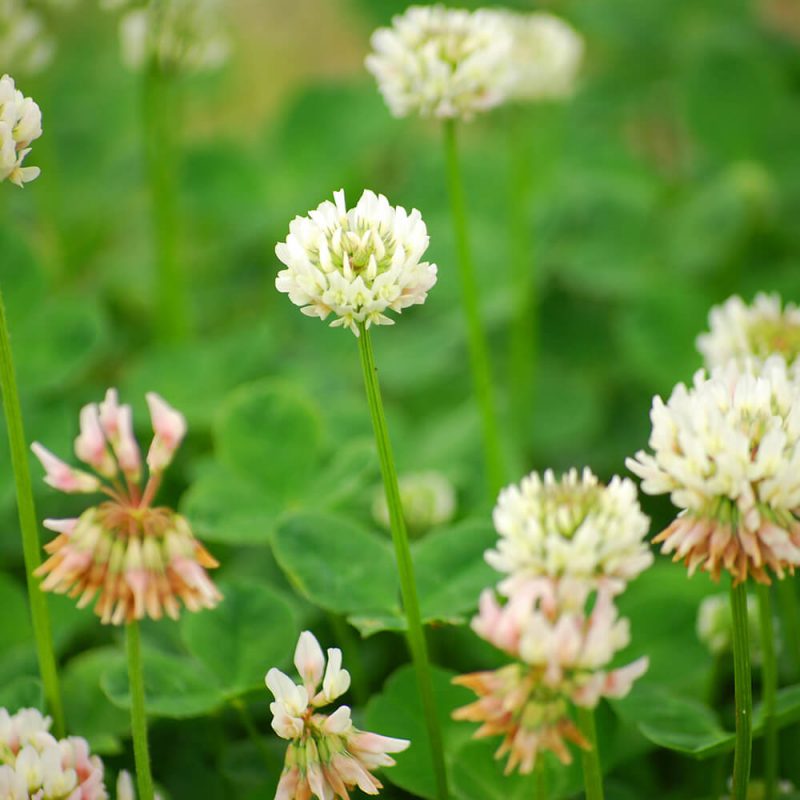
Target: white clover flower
<point>428,499</point>
<point>546,55</point>
<point>572,527</point>
<point>356,263</point>
<point>727,451</point>
<point>181,35</point>
<point>740,332</point>
<point>26,45</point>
<point>327,755</point>
<point>20,124</point>
<point>562,636</point>
<point>442,62</point>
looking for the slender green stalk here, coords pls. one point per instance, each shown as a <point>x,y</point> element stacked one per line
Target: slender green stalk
<point>790,615</point>
<point>769,684</point>
<point>592,771</point>
<point>255,737</point>
<point>478,347</point>
<point>405,566</point>
<point>523,339</point>
<point>31,547</point>
<point>141,751</point>
<point>743,693</point>
<point>541,779</point>
<point>159,120</point>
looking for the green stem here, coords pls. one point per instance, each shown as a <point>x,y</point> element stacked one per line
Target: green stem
<point>31,547</point>
<point>769,681</point>
<point>592,771</point>
<point>541,778</point>
<point>523,340</point>
<point>787,593</point>
<point>141,751</point>
<point>478,347</point>
<point>159,110</point>
<point>256,738</point>
<point>743,693</point>
<point>405,566</point>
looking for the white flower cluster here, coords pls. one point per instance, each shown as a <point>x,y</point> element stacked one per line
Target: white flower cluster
<point>442,62</point>
<point>428,499</point>
<point>26,46</point>
<point>327,755</point>
<point>446,63</point>
<point>33,764</point>
<point>356,263</point>
<point>571,527</point>
<point>727,451</point>
<point>20,124</point>
<point>181,35</point>
<point>740,332</point>
<point>546,55</point>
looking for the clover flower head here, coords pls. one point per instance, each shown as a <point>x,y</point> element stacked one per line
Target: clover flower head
<point>36,766</point>
<point>751,333</point>
<point>715,625</point>
<point>442,62</point>
<point>562,645</point>
<point>179,35</point>
<point>727,451</point>
<point>25,43</point>
<point>20,124</point>
<point>546,55</point>
<point>571,526</point>
<point>327,755</point>
<point>428,500</point>
<point>140,558</point>
<point>356,263</point>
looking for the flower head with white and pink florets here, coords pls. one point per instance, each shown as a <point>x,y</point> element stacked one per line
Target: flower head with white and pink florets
<point>137,558</point>
<point>327,756</point>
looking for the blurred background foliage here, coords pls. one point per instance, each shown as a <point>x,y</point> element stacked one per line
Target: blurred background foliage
<point>669,182</point>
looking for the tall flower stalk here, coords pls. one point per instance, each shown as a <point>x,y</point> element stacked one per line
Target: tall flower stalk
<point>769,688</point>
<point>480,362</point>
<point>743,690</point>
<point>405,566</point>
<point>357,265</point>
<point>141,749</point>
<point>31,546</point>
<point>592,771</point>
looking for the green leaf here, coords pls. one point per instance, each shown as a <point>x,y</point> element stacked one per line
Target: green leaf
<point>336,564</point>
<point>457,553</point>
<point>270,434</point>
<point>86,706</point>
<point>396,711</point>
<point>223,507</point>
<point>253,629</point>
<point>23,692</point>
<point>175,686</point>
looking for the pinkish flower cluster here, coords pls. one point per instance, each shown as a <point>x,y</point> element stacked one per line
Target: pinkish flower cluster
<point>562,635</point>
<point>327,756</point>
<point>36,766</point>
<point>137,559</point>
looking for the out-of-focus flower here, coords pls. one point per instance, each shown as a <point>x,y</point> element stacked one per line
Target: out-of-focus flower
<point>26,46</point>
<point>562,644</point>
<point>546,55</point>
<point>327,755</point>
<point>442,62</point>
<point>428,499</point>
<point>746,333</point>
<point>727,451</point>
<point>20,124</point>
<point>180,35</point>
<point>573,527</point>
<point>757,790</point>
<point>356,263</point>
<point>715,625</point>
<point>140,558</point>
<point>33,764</point>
